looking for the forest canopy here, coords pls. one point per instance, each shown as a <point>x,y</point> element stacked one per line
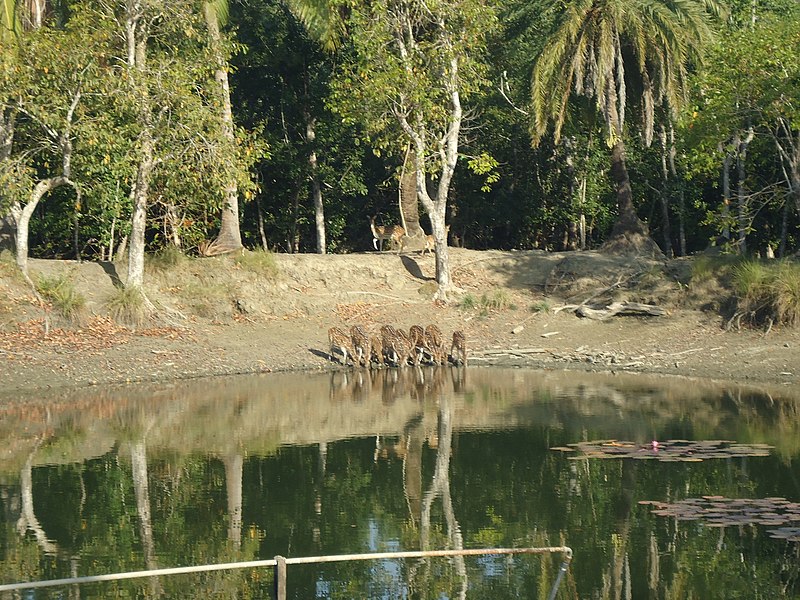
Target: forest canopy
<point>131,127</point>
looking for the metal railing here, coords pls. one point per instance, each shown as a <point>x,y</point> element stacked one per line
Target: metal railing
<point>279,564</point>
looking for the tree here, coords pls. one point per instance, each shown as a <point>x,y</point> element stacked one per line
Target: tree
<point>48,71</point>
<point>749,96</point>
<point>229,238</point>
<point>412,64</point>
<point>602,48</point>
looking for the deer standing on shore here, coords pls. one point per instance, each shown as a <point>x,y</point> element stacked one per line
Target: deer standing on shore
<point>393,233</point>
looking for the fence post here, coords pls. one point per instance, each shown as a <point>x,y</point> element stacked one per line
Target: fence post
<point>280,578</point>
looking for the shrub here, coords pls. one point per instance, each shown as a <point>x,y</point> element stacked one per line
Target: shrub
<point>59,291</point>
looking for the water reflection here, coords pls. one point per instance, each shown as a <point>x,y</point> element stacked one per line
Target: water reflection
<point>133,477</point>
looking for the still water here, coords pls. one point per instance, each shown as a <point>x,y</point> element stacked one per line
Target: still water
<point>234,469</point>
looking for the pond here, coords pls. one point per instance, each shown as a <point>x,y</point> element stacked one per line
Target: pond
<point>663,488</point>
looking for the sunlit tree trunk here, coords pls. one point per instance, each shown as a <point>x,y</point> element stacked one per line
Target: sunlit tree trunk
<point>137,34</point>
<point>316,187</point>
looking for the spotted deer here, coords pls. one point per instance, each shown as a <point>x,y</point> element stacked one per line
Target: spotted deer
<point>393,233</point>
<point>362,345</point>
<point>377,350</point>
<point>430,242</point>
<point>458,349</point>
<point>417,336</point>
<point>396,345</point>
<point>340,341</point>
<point>434,343</point>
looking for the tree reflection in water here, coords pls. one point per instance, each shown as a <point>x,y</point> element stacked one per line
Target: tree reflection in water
<point>231,469</point>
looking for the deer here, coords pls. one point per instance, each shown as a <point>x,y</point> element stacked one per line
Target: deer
<point>393,233</point>
<point>430,242</point>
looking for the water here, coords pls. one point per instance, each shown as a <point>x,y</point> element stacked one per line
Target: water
<point>128,478</point>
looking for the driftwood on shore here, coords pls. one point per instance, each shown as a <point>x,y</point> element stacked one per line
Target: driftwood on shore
<point>614,309</point>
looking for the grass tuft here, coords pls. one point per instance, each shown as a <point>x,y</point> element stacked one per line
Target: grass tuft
<point>496,300</point>
<point>468,302</point>
<point>542,306</point>
<point>166,259</point>
<point>60,292</point>
<point>768,292</point>
<point>260,262</point>
<point>128,306</point>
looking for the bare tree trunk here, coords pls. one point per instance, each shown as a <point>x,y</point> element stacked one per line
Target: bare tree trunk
<point>261,231</point>
<point>23,216</point>
<point>229,237</point>
<point>316,188</point>
<point>137,31</point>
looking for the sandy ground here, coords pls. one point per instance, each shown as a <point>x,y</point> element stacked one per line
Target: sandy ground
<point>218,317</point>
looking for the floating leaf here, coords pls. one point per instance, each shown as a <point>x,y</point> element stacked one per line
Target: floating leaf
<point>667,451</point>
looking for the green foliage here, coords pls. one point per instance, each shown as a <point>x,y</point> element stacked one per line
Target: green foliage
<point>768,292</point>
<point>258,262</point>
<point>59,291</point>
<point>584,52</point>
<point>127,305</point>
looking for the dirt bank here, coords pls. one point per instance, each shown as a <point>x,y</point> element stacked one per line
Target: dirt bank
<point>223,316</point>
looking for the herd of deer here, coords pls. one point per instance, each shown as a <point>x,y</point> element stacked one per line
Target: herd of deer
<point>395,347</point>
<point>397,237</point>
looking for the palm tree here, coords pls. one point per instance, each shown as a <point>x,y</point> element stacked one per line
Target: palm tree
<point>602,48</point>
<point>229,237</point>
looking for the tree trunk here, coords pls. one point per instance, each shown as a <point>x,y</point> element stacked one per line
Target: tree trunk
<point>627,220</point>
<point>726,196</point>
<point>22,216</point>
<point>316,188</point>
<point>666,153</point>
<point>7,221</point>
<point>409,203</point>
<point>229,237</point>
<point>136,27</point>
<point>742,200</point>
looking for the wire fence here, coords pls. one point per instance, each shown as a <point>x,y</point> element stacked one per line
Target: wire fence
<point>279,565</point>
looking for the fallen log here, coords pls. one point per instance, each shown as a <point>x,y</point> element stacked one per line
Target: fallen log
<point>620,308</point>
